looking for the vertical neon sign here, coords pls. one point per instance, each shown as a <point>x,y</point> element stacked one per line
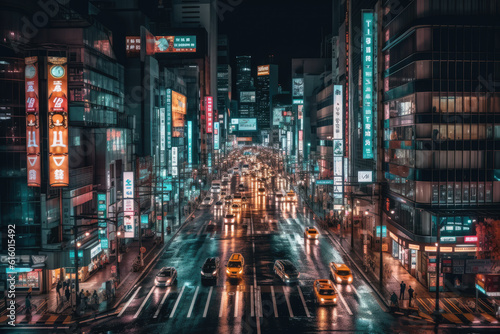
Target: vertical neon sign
<point>32,122</point>
<point>368,54</point>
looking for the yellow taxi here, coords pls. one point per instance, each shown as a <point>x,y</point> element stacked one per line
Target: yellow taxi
<point>290,196</point>
<point>235,266</point>
<point>340,273</point>
<point>311,233</point>
<point>325,292</point>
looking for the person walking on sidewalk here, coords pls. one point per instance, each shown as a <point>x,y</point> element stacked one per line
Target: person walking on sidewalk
<point>410,293</point>
<point>95,297</point>
<point>58,288</point>
<point>402,290</point>
<point>29,292</point>
<point>67,293</point>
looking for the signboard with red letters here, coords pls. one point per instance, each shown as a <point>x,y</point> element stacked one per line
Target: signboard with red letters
<point>32,122</point>
<point>209,109</point>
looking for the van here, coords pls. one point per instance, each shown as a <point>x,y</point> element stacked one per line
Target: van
<point>235,266</point>
<point>215,187</point>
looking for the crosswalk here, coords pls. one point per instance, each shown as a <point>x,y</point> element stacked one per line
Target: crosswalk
<point>39,319</point>
<point>223,302</point>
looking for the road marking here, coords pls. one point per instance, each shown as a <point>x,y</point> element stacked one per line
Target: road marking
<point>344,302</point>
<point>303,301</point>
<point>192,303</point>
<point>488,317</point>
<point>222,303</point>
<point>258,299</point>
<point>177,302</point>
<point>452,318</point>
<point>275,307</point>
<point>288,303</point>
<point>208,302</point>
<point>161,304</point>
<point>128,303</point>
<point>144,302</point>
<point>236,304</point>
<point>252,309</point>
<point>355,291</point>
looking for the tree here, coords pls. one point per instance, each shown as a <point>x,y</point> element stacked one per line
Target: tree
<point>488,239</point>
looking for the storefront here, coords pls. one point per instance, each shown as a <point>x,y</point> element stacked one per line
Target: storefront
<point>90,259</point>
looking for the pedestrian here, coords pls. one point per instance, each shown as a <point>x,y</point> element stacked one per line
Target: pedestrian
<point>410,293</point>
<point>29,292</point>
<point>394,299</point>
<point>95,297</point>
<point>402,290</point>
<point>67,293</point>
<point>28,305</point>
<point>58,288</point>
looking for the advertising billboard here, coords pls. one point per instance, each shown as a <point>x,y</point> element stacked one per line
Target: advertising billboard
<point>298,87</point>
<point>132,45</point>
<point>278,115</point>
<point>174,44</point>
<point>57,82</point>
<point>262,70</point>
<point>247,97</point>
<point>338,124</point>
<point>190,143</point>
<point>32,121</point>
<point>179,110</point>
<point>169,119</point>
<point>216,135</point>
<point>128,204</point>
<point>368,54</point>
<point>247,124</point>
<point>209,110</point>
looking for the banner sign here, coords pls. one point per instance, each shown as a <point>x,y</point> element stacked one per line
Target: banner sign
<point>169,119</point>
<point>190,143</point>
<point>216,135</point>
<point>209,109</point>
<point>57,82</point>
<point>32,121</point>
<point>128,204</point>
<point>368,54</point>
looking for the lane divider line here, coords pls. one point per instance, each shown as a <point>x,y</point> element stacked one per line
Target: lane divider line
<point>161,303</point>
<point>177,302</point>
<point>144,302</point>
<point>345,303</point>
<point>129,301</point>
<point>192,303</point>
<point>236,304</point>
<point>221,305</point>
<point>252,307</point>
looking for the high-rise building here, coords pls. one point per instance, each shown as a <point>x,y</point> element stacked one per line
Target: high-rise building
<point>440,136</point>
<point>224,85</point>
<point>266,87</point>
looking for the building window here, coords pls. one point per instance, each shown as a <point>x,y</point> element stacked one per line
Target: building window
<point>435,193</point>
<point>473,192</point>
<point>458,193</point>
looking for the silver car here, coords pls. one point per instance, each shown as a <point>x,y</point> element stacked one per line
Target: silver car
<point>166,276</point>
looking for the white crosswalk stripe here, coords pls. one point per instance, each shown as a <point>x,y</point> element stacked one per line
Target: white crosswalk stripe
<point>278,301</point>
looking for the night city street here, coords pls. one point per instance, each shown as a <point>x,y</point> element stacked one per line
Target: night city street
<point>249,166</point>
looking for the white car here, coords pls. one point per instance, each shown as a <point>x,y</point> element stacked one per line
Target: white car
<point>229,219</point>
<point>166,276</point>
<point>225,178</point>
<point>207,201</point>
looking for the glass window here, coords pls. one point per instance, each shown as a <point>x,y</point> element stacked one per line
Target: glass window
<point>442,193</point>
<point>466,192</point>
<point>435,193</point>
<point>458,193</point>
<point>488,192</point>
<point>450,193</point>
<point>473,192</point>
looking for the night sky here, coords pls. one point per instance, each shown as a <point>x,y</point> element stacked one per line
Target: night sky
<point>284,28</point>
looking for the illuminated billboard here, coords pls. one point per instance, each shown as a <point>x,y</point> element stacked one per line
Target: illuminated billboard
<point>262,70</point>
<point>179,110</point>
<point>57,83</point>
<point>173,44</point>
<point>247,124</point>
<point>128,204</point>
<point>368,54</point>
<point>298,87</point>
<point>209,110</point>
<point>216,135</point>
<point>278,115</point>
<point>190,143</point>
<point>32,122</point>
<point>247,97</point>
<point>133,45</point>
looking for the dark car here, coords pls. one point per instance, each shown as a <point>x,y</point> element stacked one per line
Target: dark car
<point>210,269</point>
<point>286,270</point>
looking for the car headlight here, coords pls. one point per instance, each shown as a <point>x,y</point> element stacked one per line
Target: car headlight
<point>287,276</point>
<point>168,281</point>
<point>334,300</point>
<point>339,280</point>
<point>350,279</point>
<point>241,270</point>
<point>228,271</point>
<point>202,272</point>
<point>322,299</point>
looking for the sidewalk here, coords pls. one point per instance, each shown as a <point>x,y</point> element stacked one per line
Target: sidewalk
<point>51,305</point>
